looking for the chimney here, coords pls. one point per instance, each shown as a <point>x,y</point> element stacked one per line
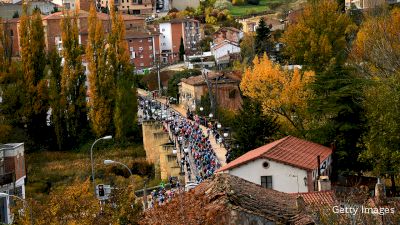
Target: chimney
<point>379,193</point>
<point>300,203</point>
<point>324,184</point>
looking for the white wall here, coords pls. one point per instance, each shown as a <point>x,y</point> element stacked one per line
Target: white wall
<point>284,177</point>
<point>165,36</point>
<point>224,50</point>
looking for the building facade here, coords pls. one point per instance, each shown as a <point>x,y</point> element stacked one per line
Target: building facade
<point>12,177</point>
<point>134,7</point>
<point>143,47</point>
<point>171,33</point>
<point>288,165</point>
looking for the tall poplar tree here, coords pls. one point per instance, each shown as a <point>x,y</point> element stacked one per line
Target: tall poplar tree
<point>100,83</point>
<point>55,99</point>
<point>73,79</point>
<point>122,71</point>
<point>33,57</point>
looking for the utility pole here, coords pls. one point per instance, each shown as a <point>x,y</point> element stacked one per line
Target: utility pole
<point>209,85</point>
<point>158,75</point>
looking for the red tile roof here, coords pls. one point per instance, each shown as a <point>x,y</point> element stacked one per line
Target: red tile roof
<point>326,198</point>
<point>289,150</point>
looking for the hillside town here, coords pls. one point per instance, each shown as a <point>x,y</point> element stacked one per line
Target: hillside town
<point>200,112</point>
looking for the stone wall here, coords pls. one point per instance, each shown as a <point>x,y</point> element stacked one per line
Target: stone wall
<point>159,149</point>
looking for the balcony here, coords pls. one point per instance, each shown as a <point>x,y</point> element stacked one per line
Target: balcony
<point>6,178</point>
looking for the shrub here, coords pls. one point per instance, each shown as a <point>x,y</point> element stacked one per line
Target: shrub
<point>222,4</point>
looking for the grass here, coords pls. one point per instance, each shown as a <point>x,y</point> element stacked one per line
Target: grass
<point>264,5</point>
<point>50,170</point>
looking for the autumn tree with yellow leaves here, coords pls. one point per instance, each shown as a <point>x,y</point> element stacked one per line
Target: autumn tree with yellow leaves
<point>320,37</point>
<point>73,89</point>
<point>376,50</point>
<point>119,67</point>
<point>101,84</point>
<point>282,93</point>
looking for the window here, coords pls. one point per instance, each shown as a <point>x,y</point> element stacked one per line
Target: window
<point>149,39</point>
<point>150,47</point>
<point>151,56</point>
<point>122,1</point>
<point>140,40</point>
<point>266,181</point>
<point>141,64</point>
<point>133,55</point>
<point>163,30</point>
<point>141,56</point>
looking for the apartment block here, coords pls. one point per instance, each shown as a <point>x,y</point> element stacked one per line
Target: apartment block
<point>171,33</point>
<point>143,48</point>
<point>134,7</point>
<point>12,177</point>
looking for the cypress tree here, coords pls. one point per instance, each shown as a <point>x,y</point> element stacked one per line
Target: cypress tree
<point>181,50</point>
<point>262,40</point>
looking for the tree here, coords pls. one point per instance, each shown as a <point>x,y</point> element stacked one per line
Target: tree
<point>16,14</point>
<point>247,47</point>
<point>382,140</point>
<point>181,50</point>
<point>222,4</point>
<point>262,42</point>
<point>376,49</point>
<point>119,67</point>
<point>55,100</point>
<point>33,57</point>
<point>101,102</point>
<point>321,36</point>
<point>282,93</point>
<point>252,128</point>
<point>173,82</point>
<point>338,115</point>
<point>73,79</point>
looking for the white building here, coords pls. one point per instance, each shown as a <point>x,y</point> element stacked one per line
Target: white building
<point>288,165</point>
<point>224,48</point>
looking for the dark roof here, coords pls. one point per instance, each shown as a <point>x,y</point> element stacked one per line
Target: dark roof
<point>223,193</point>
<point>228,28</point>
<point>288,150</point>
<point>199,80</point>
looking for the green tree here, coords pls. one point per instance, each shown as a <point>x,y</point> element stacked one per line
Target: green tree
<point>73,79</point>
<point>262,42</point>
<point>338,115</point>
<point>101,102</point>
<point>181,50</point>
<point>252,128</point>
<point>247,47</point>
<point>173,82</point>
<point>120,68</point>
<point>55,100</point>
<point>321,36</point>
<point>382,140</point>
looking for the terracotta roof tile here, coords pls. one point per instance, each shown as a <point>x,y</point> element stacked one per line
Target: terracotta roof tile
<point>326,198</point>
<point>289,150</point>
<point>228,192</point>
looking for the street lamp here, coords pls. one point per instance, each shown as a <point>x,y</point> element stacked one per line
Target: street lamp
<point>91,159</point>
<point>219,126</point>
<point>211,115</point>
<point>109,161</point>
<point>26,205</point>
<point>201,109</point>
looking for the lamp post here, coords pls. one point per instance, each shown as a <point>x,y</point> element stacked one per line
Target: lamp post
<point>91,159</point>
<point>26,205</point>
<point>109,161</point>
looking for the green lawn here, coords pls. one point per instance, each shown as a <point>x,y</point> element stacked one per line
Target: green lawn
<point>248,9</point>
